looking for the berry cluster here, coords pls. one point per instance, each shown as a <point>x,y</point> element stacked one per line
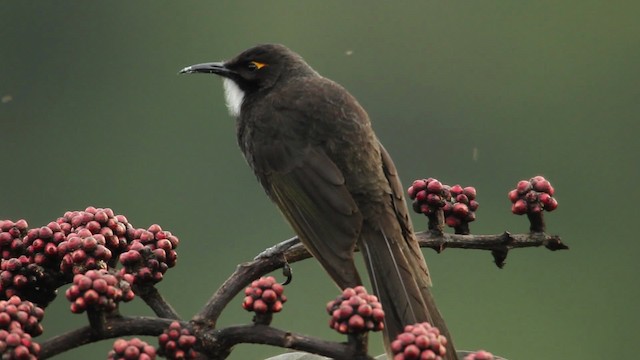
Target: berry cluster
<point>355,311</point>
<point>480,355</point>
<point>112,227</point>
<point>149,255</point>
<point>533,196</point>
<point>461,206</point>
<point>264,296</point>
<point>134,349</point>
<point>11,234</point>
<point>419,341</point>
<point>428,195</point>
<point>83,251</point>
<point>177,343</point>
<point>41,245</point>
<point>99,290</point>
<point>17,344</point>
<point>15,313</point>
<point>19,276</point>
<point>458,204</point>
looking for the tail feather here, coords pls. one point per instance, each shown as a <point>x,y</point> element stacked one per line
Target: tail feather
<point>397,280</point>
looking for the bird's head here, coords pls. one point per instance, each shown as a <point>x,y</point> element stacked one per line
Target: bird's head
<point>260,67</point>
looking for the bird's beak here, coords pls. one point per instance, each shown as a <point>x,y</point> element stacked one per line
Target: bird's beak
<point>217,68</point>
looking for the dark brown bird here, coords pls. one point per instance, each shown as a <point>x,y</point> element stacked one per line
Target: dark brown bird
<point>312,148</point>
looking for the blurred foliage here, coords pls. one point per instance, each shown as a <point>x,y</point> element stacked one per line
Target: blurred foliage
<point>479,93</point>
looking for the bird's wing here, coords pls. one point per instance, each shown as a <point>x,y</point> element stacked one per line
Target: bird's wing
<point>310,191</point>
<point>414,255</point>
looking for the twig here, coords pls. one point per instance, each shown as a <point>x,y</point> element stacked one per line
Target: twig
<point>288,251</point>
<point>217,343</point>
<point>292,250</point>
<point>507,240</point>
<point>113,327</point>
<point>156,302</point>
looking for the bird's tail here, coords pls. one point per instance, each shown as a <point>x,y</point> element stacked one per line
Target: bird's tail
<point>400,279</point>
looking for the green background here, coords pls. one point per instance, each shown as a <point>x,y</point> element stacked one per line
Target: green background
<point>94,113</point>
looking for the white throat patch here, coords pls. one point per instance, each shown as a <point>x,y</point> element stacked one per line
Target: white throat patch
<point>233,96</point>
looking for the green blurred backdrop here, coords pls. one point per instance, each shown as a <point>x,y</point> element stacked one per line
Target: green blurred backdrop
<point>94,113</point>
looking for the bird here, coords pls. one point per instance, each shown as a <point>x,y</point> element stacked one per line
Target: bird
<point>312,147</point>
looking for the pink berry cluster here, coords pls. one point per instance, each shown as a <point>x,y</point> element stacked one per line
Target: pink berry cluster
<point>461,206</point>
<point>418,342</point>
<point>428,195</point>
<point>99,290</point>
<point>355,311</point>
<point>18,345</point>
<point>83,251</point>
<point>105,222</point>
<point>41,245</point>
<point>19,276</point>
<point>11,234</point>
<point>149,255</point>
<point>458,204</point>
<point>16,313</point>
<point>264,295</point>
<point>533,196</point>
<point>480,355</point>
<point>176,343</point>
<point>134,349</point>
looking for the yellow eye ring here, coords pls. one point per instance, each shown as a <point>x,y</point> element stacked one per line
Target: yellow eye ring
<point>255,65</point>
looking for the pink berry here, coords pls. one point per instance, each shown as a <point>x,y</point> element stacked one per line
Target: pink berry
<point>519,207</point>
<point>434,186</point>
<point>523,186</point>
<point>460,210</point>
<point>419,185</point>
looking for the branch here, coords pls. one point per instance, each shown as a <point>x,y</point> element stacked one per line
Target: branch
<point>442,241</point>
<point>156,302</point>
<point>291,250</point>
<point>113,327</point>
<point>498,244</point>
<point>218,343</point>
<point>288,251</point>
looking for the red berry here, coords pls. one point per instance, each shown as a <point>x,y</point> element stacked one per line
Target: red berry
<point>269,296</point>
<point>542,186</point>
<point>453,221</point>
<point>406,338</point>
<point>433,199</point>
<point>365,310</point>
<point>426,209</point>
<point>411,352</point>
<point>519,207</point>
<point>523,186</point>
<point>456,190</point>
<point>260,306</point>
<point>345,311</point>
<point>470,192</point>
<point>131,353</point>
<point>419,185</point>
<point>460,210</point>
<point>434,186</point>
<point>551,205</point>
<point>356,323</point>
<point>462,198</point>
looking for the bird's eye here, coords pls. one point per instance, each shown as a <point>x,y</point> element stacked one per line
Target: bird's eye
<point>254,65</point>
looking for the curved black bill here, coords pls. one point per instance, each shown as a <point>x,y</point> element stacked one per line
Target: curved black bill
<point>217,68</point>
